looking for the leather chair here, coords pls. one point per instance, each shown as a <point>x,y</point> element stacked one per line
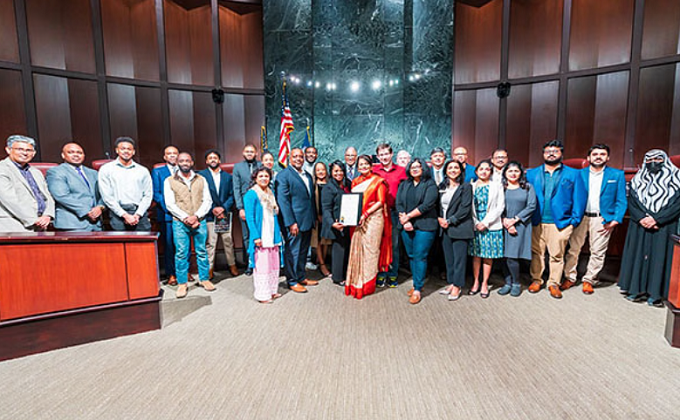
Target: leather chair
<point>43,166</point>
<point>576,163</point>
<point>96,164</point>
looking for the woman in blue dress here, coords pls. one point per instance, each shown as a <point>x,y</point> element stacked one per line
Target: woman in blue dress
<point>488,204</point>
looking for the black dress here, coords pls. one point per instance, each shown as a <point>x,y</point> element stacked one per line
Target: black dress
<point>647,254</point>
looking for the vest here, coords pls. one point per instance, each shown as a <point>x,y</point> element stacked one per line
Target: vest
<point>189,200</point>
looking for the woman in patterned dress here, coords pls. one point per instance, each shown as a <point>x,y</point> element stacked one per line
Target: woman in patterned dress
<point>488,203</point>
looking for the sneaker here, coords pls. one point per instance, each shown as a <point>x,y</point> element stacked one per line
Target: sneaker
<point>516,290</point>
<point>393,282</point>
<point>504,290</point>
<point>380,282</point>
<point>311,266</point>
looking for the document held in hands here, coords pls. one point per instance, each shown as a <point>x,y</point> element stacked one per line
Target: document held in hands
<point>350,209</point>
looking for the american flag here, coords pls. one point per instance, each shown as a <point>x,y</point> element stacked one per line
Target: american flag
<point>286,128</point>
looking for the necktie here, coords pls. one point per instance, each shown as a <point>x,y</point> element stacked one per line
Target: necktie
<point>437,177</point>
<point>82,175</point>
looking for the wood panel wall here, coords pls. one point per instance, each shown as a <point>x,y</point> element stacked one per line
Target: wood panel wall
<point>581,71</point>
<point>94,70</point>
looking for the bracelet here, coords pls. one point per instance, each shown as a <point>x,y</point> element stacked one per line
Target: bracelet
<point>365,215</point>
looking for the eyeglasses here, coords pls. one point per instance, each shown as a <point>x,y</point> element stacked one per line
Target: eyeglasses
<point>22,150</point>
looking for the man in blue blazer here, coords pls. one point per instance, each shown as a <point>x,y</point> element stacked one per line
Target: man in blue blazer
<point>158,175</point>
<point>222,194</point>
<point>461,155</point>
<point>295,196</point>
<point>561,197</point>
<point>75,190</point>
<point>605,208</point>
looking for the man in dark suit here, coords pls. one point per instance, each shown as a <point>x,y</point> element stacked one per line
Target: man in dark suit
<point>163,216</point>
<point>351,163</point>
<point>75,190</point>
<point>295,196</point>
<point>241,177</point>
<point>222,193</point>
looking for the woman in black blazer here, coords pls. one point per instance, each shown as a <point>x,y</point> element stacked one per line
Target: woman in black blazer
<point>417,207</point>
<point>455,198</point>
<point>331,197</point>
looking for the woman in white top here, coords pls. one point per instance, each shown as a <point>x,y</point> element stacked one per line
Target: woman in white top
<point>488,204</point>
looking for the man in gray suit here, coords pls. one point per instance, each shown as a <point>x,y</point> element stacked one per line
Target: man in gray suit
<point>25,202</point>
<point>241,177</point>
<point>76,192</point>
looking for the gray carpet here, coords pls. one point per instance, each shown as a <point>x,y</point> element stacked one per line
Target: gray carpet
<point>326,356</point>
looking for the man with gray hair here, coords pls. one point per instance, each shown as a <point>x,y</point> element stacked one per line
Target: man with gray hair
<point>25,202</point>
<point>403,158</point>
<point>126,189</point>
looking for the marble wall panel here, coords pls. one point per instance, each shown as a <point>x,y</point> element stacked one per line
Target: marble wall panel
<point>377,45</point>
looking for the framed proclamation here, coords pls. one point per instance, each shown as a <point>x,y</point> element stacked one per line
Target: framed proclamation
<point>350,209</point>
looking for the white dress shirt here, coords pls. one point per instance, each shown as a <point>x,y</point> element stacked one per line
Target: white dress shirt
<point>120,184</point>
<point>594,187</point>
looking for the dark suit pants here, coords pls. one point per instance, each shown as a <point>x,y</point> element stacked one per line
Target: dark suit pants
<point>168,247</point>
<point>117,223</point>
<point>340,257</point>
<point>455,255</point>
<point>295,256</point>
<point>245,233</point>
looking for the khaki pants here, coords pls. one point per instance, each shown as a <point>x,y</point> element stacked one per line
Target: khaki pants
<point>599,241</point>
<point>555,240</point>
<point>211,245</point>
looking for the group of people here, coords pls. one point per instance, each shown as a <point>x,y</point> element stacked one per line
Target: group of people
<point>495,212</point>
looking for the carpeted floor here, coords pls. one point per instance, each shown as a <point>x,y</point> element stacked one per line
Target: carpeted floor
<point>326,356</point>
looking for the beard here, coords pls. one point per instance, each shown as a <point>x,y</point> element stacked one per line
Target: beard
<point>185,169</point>
<point>214,165</point>
<point>552,161</point>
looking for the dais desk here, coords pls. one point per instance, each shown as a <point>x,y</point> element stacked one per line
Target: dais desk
<point>59,289</point>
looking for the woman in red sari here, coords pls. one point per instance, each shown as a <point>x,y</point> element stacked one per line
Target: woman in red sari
<point>371,248</point>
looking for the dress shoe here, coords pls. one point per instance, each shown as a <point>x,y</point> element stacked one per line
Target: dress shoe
<point>207,285</point>
<point>308,282</point>
<point>516,290</point>
<point>555,292</point>
<point>298,288</point>
<point>410,292</point>
<point>233,270</point>
<point>172,280</point>
<point>181,291</point>
<point>504,290</point>
<point>415,298</point>
<point>534,287</point>
<point>211,274</point>
<point>566,284</point>
<point>587,288</point>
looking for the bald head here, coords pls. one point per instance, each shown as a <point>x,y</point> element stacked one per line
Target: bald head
<point>460,154</point>
<point>72,153</point>
<point>350,156</point>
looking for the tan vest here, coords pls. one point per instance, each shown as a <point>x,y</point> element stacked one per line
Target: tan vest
<point>189,200</point>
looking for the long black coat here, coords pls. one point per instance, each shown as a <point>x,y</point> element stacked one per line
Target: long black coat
<point>331,197</point>
<point>647,254</point>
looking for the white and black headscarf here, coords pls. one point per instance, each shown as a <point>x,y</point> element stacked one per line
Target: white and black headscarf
<point>654,190</point>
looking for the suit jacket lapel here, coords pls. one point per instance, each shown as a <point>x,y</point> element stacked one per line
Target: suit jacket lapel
<point>298,179</point>
<point>223,187</point>
<point>454,199</point>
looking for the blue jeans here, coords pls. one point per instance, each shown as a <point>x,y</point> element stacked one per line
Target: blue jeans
<point>394,268</point>
<point>182,235</point>
<point>418,244</point>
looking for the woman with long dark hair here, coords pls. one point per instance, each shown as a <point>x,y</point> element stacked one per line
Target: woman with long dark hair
<point>488,204</point>
<point>371,245</point>
<point>331,228</point>
<point>455,220</point>
<point>417,207</point>
<point>264,242</point>
<point>520,203</point>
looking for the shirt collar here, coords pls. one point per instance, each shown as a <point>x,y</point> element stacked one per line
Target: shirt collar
<point>545,168</point>
<point>132,164</point>
<point>22,168</point>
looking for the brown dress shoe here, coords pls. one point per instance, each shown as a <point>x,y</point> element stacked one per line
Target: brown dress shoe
<point>587,288</point>
<point>555,292</point>
<point>410,292</point>
<point>172,281</point>
<point>308,282</point>
<point>534,287</point>
<point>415,298</point>
<point>566,284</point>
<point>298,288</point>
<point>233,270</point>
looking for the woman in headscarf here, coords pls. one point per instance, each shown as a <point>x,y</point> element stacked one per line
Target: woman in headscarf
<point>654,206</point>
<point>371,247</point>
